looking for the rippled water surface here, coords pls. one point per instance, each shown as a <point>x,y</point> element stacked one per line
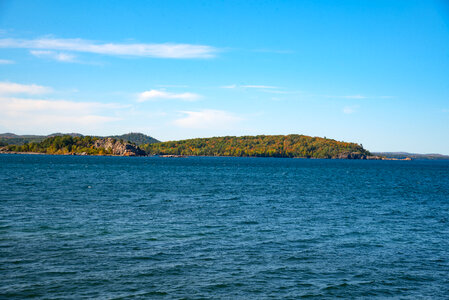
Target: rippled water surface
<point>234,228</point>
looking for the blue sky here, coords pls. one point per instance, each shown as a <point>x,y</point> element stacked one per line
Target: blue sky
<point>371,72</point>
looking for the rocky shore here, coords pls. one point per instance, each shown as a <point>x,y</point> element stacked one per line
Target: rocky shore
<point>119,148</point>
<point>355,155</point>
<point>114,147</point>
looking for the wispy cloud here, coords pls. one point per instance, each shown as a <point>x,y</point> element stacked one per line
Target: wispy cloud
<point>59,56</point>
<point>167,50</point>
<point>10,88</point>
<point>207,119</point>
<point>6,62</point>
<point>152,95</point>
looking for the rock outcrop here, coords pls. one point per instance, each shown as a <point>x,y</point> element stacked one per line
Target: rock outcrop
<point>117,147</point>
<point>351,155</point>
<point>356,155</point>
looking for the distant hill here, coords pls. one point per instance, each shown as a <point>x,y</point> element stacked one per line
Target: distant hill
<point>8,135</point>
<point>136,138</point>
<point>402,155</point>
<point>73,134</point>
<point>14,139</point>
<point>261,146</point>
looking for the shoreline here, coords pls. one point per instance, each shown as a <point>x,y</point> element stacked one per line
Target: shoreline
<point>186,156</point>
<point>69,154</point>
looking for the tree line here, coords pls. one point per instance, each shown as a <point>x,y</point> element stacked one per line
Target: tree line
<point>255,146</point>
<point>61,145</point>
<point>259,146</point>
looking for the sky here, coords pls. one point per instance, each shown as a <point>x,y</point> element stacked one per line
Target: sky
<point>370,72</point>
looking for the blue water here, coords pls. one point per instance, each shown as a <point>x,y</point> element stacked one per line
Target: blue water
<point>233,228</point>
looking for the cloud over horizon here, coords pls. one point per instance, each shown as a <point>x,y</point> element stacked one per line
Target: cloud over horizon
<point>27,114</point>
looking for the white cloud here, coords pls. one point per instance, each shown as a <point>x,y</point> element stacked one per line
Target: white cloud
<point>207,119</point>
<point>59,56</point>
<point>158,94</point>
<point>8,88</point>
<point>6,62</point>
<point>167,50</point>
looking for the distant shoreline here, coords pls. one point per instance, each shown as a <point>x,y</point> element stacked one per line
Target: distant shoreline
<point>137,144</point>
<point>186,156</point>
<point>68,154</point>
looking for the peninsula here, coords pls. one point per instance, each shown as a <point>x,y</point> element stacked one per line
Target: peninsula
<point>294,146</point>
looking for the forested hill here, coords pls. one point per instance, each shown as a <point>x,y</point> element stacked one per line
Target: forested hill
<point>258,146</point>
<point>77,145</point>
<point>261,146</point>
<point>14,139</point>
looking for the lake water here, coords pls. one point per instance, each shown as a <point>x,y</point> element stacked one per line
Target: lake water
<point>233,228</point>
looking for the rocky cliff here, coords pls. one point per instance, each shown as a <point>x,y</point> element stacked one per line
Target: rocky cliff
<point>117,147</point>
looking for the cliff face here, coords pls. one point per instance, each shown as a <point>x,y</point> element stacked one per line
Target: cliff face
<point>119,148</point>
